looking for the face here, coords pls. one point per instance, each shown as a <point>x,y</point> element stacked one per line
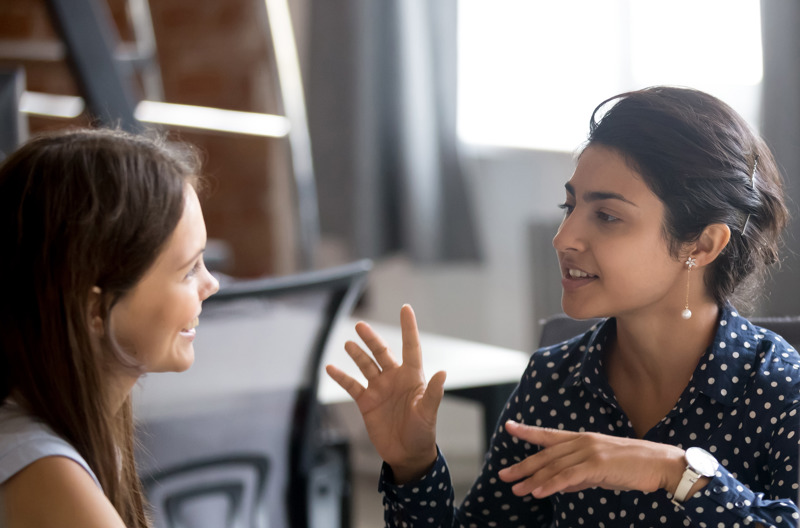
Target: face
<point>613,255</point>
<point>155,322</point>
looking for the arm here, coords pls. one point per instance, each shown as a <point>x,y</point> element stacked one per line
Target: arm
<point>56,492</point>
<point>573,461</point>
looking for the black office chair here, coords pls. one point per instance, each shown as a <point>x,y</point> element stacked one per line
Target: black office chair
<point>560,327</point>
<point>239,440</point>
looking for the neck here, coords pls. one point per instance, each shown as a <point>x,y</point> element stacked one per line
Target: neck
<point>119,389</point>
<point>663,349</point>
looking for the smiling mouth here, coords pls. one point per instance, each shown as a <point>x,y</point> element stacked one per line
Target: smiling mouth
<point>573,273</point>
<point>193,325</point>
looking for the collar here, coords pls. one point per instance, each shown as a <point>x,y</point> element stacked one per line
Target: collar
<point>721,374</point>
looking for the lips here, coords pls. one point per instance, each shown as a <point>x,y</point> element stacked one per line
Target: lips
<point>190,330</point>
<point>574,273</point>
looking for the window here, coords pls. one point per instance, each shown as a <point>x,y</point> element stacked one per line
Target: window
<point>531,72</point>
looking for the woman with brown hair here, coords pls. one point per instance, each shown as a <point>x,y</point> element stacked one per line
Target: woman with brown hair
<point>102,242</point>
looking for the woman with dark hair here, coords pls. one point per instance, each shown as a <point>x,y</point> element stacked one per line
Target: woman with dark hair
<point>103,239</point>
<point>675,410</point>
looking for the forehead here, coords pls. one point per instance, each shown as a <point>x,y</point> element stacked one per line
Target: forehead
<point>602,169</point>
<point>188,237</point>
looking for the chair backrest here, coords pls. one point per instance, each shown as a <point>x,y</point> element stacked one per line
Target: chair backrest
<point>237,441</point>
<point>560,327</point>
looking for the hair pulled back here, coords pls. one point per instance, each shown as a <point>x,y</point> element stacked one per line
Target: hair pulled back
<point>698,156</point>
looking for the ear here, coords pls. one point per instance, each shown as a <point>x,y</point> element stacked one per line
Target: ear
<point>95,312</point>
<point>710,244</point>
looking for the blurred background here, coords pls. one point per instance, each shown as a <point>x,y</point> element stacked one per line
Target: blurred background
<point>431,136</point>
<point>434,137</point>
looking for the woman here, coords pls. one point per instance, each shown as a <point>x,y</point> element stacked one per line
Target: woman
<point>674,411</point>
<point>103,239</point>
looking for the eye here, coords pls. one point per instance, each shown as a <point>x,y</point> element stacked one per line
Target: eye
<point>567,208</point>
<point>192,272</point>
<point>607,218</point>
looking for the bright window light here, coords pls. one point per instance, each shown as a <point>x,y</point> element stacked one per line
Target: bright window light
<point>530,73</point>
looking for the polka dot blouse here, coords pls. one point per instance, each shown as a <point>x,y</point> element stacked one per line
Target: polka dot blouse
<point>742,405</point>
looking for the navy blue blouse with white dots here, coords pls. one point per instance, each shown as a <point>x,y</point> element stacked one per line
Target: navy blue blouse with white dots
<point>742,404</point>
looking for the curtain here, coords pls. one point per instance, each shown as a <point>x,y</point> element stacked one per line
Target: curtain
<point>780,127</point>
<point>381,91</point>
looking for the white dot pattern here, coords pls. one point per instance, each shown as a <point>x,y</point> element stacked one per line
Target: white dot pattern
<point>742,404</point>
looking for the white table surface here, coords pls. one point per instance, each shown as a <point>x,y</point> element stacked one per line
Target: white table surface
<point>468,364</point>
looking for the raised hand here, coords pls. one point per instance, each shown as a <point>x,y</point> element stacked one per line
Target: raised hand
<point>399,409</point>
<point>573,461</point>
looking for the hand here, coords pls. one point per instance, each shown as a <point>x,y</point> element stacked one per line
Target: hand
<point>573,461</point>
<point>398,407</point>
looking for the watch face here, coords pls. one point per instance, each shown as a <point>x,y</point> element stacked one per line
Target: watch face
<point>701,461</point>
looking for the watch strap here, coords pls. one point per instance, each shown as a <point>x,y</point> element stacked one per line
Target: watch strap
<point>685,485</point>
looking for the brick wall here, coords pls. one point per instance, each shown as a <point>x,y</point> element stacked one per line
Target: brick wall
<point>211,53</point>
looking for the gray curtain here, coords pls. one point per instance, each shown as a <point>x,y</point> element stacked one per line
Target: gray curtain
<point>781,129</point>
<point>381,91</point>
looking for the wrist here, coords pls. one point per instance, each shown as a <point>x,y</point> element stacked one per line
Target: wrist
<point>412,470</point>
<point>676,465</point>
<point>699,467</point>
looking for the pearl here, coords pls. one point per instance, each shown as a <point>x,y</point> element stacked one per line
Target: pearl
<point>686,314</point>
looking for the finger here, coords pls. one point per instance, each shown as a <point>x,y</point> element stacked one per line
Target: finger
<point>363,361</point>
<point>376,345</point>
<point>432,397</point>
<point>556,475</point>
<point>353,388</point>
<point>541,436</point>
<point>412,351</point>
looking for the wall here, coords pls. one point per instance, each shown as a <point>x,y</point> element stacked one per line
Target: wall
<point>211,53</point>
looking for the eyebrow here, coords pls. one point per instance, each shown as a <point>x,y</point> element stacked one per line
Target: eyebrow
<point>192,260</point>
<point>596,196</point>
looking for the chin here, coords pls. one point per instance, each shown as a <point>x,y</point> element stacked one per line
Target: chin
<point>581,312</point>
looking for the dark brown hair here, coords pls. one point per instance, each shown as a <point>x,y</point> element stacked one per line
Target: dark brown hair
<point>80,209</point>
<point>698,155</point>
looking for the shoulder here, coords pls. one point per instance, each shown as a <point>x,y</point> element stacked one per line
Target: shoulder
<point>56,491</point>
<point>24,439</point>
<point>770,363</point>
<point>563,358</point>
<point>43,479</point>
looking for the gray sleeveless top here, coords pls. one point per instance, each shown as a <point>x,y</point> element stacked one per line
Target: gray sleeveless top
<point>25,439</point>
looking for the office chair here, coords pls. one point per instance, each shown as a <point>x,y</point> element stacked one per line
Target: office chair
<point>240,440</point>
<point>560,327</point>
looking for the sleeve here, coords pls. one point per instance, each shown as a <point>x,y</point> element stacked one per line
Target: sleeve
<point>427,502</point>
<point>728,502</point>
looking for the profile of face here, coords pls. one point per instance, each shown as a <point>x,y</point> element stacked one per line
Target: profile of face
<point>155,321</point>
<point>613,255</point>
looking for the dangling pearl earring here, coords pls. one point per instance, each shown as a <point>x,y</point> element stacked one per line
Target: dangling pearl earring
<point>690,263</point>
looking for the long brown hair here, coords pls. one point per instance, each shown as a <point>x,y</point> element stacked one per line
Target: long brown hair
<point>81,209</point>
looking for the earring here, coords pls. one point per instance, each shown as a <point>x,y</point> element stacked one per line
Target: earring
<point>690,263</point>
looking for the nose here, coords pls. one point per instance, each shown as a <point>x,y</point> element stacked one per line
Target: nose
<point>210,285</point>
<point>568,236</point>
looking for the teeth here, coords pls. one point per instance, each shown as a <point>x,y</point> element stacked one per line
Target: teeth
<point>578,274</point>
<point>195,322</point>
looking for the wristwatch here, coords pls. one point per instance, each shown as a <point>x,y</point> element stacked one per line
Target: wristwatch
<point>699,463</point>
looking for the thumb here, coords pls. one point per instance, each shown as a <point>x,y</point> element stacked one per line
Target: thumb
<point>429,404</point>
